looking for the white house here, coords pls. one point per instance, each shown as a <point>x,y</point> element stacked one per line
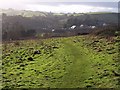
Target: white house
<point>73,27</point>
<point>93,27</point>
<point>104,24</point>
<point>53,30</point>
<point>81,25</point>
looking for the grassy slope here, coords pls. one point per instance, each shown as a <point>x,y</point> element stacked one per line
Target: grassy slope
<point>80,69</point>
<point>63,62</point>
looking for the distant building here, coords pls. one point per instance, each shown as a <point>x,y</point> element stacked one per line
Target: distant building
<point>73,27</point>
<point>53,30</point>
<point>93,27</point>
<point>44,28</point>
<point>104,24</point>
<point>81,25</point>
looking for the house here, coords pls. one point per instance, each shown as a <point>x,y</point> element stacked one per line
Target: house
<point>81,26</point>
<point>104,24</point>
<point>73,27</point>
<point>53,30</point>
<point>92,27</point>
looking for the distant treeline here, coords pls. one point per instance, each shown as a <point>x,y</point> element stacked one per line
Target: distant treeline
<point>109,31</point>
<point>19,27</point>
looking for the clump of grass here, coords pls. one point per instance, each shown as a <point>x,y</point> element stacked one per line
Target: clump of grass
<point>17,43</point>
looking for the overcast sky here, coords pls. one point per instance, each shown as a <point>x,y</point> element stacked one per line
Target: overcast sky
<point>64,6</point>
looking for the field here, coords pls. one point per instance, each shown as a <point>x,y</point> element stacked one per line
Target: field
<point>73,62</point>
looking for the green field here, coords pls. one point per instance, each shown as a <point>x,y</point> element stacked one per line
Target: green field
<point>73,62</point>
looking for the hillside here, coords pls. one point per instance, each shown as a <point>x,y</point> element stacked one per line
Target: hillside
<point>74,62</point>
<point>24,13</point>
<point>19,21</point>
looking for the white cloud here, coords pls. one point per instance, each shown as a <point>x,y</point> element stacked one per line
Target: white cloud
<point>16,4</point>
<point>35,5</point>
<point>69,8</point>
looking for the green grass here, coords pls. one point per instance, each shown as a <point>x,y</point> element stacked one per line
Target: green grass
<point>74,62</point>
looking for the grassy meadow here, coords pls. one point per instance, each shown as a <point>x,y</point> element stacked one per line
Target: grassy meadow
<point>72,62</point>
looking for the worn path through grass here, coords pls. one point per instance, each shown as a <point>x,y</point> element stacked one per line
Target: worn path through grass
<point>80,70</point>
